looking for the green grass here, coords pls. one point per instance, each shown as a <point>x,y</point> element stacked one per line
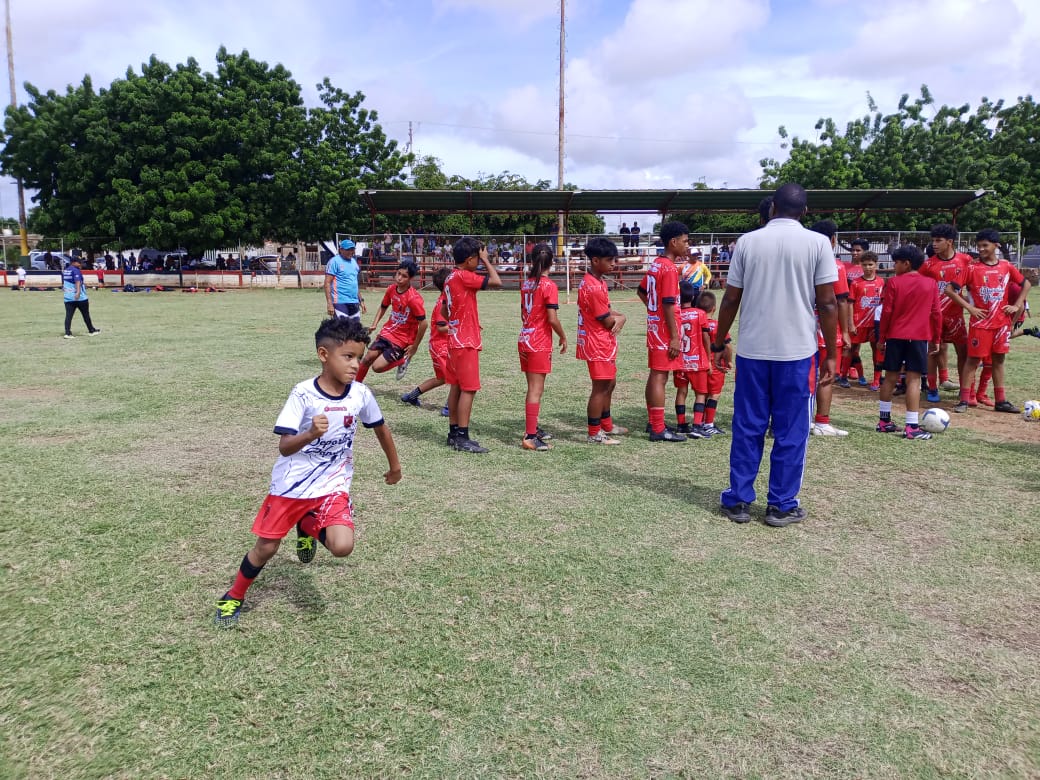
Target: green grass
<point>581,613</point>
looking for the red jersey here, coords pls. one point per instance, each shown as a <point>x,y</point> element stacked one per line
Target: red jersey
<point>406,311</point>
<point>438,340</point>
<point>537,296</point>
<point>852,272</point>
<point>944,272</point>
<point>866,297</point>
<point>661,285</point>
<point>910,309</point>
<point>460,290</point>
<point>841,288</point>
<point>595,341</point>
<point>988,285</point>
<point>693,323</point>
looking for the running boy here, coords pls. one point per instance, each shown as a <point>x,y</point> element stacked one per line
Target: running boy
<point>464,338</point>
<point>911,325</point>
<point>659,292</point>
<point>989,332</point>
<point>310,481</point>
<point>598,326</point>
<point>696,358</point>
<point>403,332</point>
<point>438,344</point>
<point>717,377</point>
<point>865,296</point>
<point>539,304</point>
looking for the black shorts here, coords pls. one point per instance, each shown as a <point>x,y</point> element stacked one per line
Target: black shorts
<point>912,353</point>
<point>390,351</point>
<point>348,310</point>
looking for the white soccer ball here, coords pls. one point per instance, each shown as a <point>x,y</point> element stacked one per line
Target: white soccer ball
<point>935,421</point>
<point>1031,411</point>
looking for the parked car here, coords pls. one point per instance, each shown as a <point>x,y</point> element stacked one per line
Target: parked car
<point>37,261</point>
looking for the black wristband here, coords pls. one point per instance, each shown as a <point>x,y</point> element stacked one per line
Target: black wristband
<point>718,349</point>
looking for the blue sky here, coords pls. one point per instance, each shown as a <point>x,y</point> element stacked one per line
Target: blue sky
<point>660,93</point>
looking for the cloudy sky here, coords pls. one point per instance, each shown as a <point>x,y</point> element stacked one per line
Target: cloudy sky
<point>659,93</point>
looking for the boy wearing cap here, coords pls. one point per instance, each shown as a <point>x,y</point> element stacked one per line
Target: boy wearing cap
<point>341,284</point>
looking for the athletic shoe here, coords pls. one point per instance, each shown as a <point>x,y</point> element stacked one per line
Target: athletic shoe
<point>602,438</point>
<point>700,432</point>
<point>886,426</point>
<point>962,406</point>
<point>306,546</point>
<point>535,444</point>
<point>617,430</point>
<point>683,428</point>
<point>715,430</point>
<point>469,445</point>
<point>983,400</point>
<point>667,435</point>
<point>1006,406</point>
<point>738,513</point>
<point>915,433</point>
<point>649,428</point>
<point>874,387</point>
<point>777,519</point>
<point>862,382</point>
<point>228,610</point>
<point>949,386</point>
<point>934,397</point>
<point>411,397</point>
<point>1032,332</point>
<point>94,332</point>
<point>826,429</point>
<point>68,336</point>
<point>900,389</point>
<point>403,368</point>
<point>973,403</point>
<point>843,381</point>
<point>543,435</point>
<point>445,412</point>
<point>451,439</point>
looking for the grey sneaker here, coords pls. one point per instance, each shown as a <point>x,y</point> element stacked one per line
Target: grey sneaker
<point>403,368</point>
<point>777,519</point>
<point>738,513</point>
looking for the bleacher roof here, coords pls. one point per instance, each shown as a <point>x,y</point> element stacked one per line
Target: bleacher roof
<point>405,201</point>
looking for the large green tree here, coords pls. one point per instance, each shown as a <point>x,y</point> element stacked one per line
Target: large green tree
<point>175,156</point>
<point>924,146</point>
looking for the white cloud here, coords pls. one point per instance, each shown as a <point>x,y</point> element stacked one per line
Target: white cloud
<point>519,13</point>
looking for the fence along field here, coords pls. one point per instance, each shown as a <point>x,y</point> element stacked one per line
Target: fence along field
<point>571,613</point>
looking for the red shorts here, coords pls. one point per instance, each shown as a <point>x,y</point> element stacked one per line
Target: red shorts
<point>697,380</point>
<point>536,362</point>
<point>983,342</point>
<point>279,515</point>
<point>865,334</point>
<point>602,369</point>
<point>716,380</point>
<point>954,331</point>
<point>439,359</point>
<point>21,282</point>
<point>658,360</point>
<point>463,369</point>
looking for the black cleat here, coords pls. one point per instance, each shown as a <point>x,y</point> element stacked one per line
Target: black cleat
<point>738,513</point>
<point>777,519</point>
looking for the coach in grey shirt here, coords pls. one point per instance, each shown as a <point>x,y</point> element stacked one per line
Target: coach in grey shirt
<point>778,275</point>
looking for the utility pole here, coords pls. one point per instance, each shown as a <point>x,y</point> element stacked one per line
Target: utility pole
<point>560,243</point>
<point>22,230</point>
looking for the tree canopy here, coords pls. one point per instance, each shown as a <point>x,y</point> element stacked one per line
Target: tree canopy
<point>921,146</point>
<point>175,156</point>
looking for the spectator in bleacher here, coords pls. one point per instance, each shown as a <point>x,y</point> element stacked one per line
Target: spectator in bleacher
<point>420,243</point>
<point>635,234</point>
<point>626,234</point>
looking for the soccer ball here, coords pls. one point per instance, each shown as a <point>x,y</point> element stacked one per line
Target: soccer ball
<point>935,420</point>
<point>1031,411</point>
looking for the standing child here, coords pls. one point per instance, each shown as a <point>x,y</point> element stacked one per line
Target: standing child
<point>21,277</point>
<point>911,326</point>
<point>989,330</point>
<point>717,377</point>
<point>865,296</point>
<point>696,370</point>
<point>438,346</point>
<point>310,481</point>
<point>947,266</point>
<point>403,332</point>
<point>659,292</point>
<point>464,338</point>
<point>598,326</point>
<point>539,304</point>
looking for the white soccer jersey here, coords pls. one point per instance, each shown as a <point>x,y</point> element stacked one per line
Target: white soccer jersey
<point>326,465</point>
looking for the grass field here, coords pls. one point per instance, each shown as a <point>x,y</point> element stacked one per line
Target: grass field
<point>579,613</point>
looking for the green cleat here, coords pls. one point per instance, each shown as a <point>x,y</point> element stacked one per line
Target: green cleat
<point>306,546</point>
<point>228,610</point>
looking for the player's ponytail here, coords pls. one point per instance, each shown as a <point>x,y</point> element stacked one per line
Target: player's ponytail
<point>542,258</point>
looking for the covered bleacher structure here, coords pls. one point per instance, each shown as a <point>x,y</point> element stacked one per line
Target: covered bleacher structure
<point>658,203</point>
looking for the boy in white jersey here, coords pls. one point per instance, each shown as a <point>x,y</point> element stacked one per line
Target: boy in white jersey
<point>310,482</point>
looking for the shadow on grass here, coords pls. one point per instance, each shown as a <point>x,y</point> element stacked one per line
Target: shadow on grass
<point>285,580</point>
<point>704,496</point>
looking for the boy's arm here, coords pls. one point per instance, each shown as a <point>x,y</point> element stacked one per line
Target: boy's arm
<point>386,441</point>
<point>554,322</point>
<point>1016,307</point>
<point>668,314</point>
<point>410,352</point>
<point>953,293</point>
<point>494,280</point>
<point>827,308</point>
<point>291,443</point>
<point>722,354</point>
<point>379,316</point>
<point>707,347</point>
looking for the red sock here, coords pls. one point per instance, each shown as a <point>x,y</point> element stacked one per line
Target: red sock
<point>680,414</point>
<point>594,425</point>
<point>933,381</point>
<point>998,394</point>
<point>709,414</point>
<point>361,373</point>
<point>606,421</point>
<point>698,416</point>
<point>944,375</point>
<point>877,377</point>
<point>966,395</point>
<point>656,418</point>
<point>531,418</point>
<point>247,572</point>
<point>822,419</point>
<point>846,362</point>
<point>984,377</point>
